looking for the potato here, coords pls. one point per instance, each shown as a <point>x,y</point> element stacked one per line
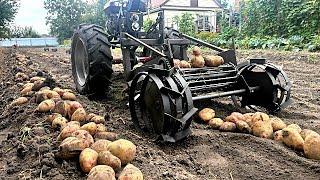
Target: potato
<point>59,123</point>
<point>100,145</point>
<point>88,159</point>
<point>69,96</point>
<point>74,105</point>
<point>73,123</point>
<point>215,123</point>
<point>19,101</point>
<point>101,172</point>
<point>184,64</point>
<point>98,119</point>
<point>307,132</point>
<point>90,116</point>
<point>40,96</point>
<point>206,114</point>
<point>213,61</point>
<point>312,147</point>
<point>21,76</point>
<point>277,124</point>
<point>38,85</point>
<point>68,130</point>
<point>62,107</point>
<point>125,150</point>
<point>84,136</point>
<point>79,115</point>
<point>262,129</point>
<point>130,172</point>
<point>259,116</point>
<point>277,136</point>
<point>234,117</point>
<point>53,95</point>
<point>243,127</point>
<point>295,127</point>
<point>292,138</point>
<point>101,128</point>
<point>59,91</point>
<point>28,85</point>
<point>46,106</point>
<point>53,116</point>
<point>25,91</point>
<point>197,61</point>
<point>228,127</point>
<point>176,62</point>
<point>70,147</point>
<point>107,158</point>
<point>90,127</point>
<point>196,51</point>
<point>37,78</point>
<point>106,135</point>
<point>45,88</point>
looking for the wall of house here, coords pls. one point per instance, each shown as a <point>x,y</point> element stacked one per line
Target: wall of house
<point>201,3</point>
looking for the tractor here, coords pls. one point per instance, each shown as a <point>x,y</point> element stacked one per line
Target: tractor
<point>161,96</point>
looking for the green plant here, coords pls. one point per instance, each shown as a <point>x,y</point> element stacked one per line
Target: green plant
<point>147,23</point>
<point>185,23</point>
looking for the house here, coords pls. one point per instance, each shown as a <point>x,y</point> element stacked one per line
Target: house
<point>203,11</point>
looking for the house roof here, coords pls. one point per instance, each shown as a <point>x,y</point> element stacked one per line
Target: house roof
<point>159,3</point>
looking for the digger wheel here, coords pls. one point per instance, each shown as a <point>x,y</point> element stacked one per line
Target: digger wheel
<point>91,59</point>
<point>173,34</point>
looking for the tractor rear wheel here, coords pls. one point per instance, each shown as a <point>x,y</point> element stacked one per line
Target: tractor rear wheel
<point>91,60</point>
<point>173,34</point>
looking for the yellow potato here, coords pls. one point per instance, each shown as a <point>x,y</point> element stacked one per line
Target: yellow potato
<point>234,117</point>
<point>25,91</point>
<point>243,127</point>
<point>125,150</point>
<point>307,132</point>
<point>53,95</point>
<point>295,127</point>
<point>74,105</point>
<point>46,106</point>
<point>90,127</point>
<point>79,115</point>
<point>28,85</point>
<point>62,107</point>
<point>107,158</point>
<point>38,85</point>
<point>84,136</point>
<point>59,91</point>
<point>277,124</point>
<point>21,76</point>
<point>40,96</point>
<point>215,123</point>
<point>196,51</point>
<point>262,129</point>
<point>228,127</point>
<point>130,172</point>
<point>312,147</point>
<point>101,128</point>
<point>101,172</point>
<point>69,96</point>
<point>248,118</point>
<point>90,116</point>
<point>53,116</point>
<point>292,138</point>
<point>68,130</point>
<point>184,64</point>
<point>59,123</point>
<point>19,101</point>
<point>206,114</point>
<point>111,136</point>
<point>277,136</point>
<point>98,119</point>
<point>37,78</point>
<point>100,145</point>
<point>88,159</point>
<point>197,61</point>
<point>259,116</point>
<point>213,61</point>
<point>70,147</point>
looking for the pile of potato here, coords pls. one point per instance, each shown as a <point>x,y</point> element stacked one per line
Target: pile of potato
<point>199,61</point>
<point>261,125</point>
<point>82,135</point>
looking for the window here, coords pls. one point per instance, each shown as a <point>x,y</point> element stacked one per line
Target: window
<point>194,3</point>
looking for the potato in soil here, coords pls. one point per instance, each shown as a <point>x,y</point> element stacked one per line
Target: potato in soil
<point>196,51</point>
<point>70,147</point>
<point>46,106</point>
<point>213,61</point>
<point>90,116</point>
<point>74,105</point>
<point>295,127</point>
<point>68,130</point>
<point>19,101</point>
<point>90,127</point>
<point>307,132</point>
<point>101,172</point>
<point>53,116</point>
<point>62,107</point>
<point>215,123</point>
<point>79,115</point>
<point>206,114</point>
<point>277,136</point>
<point>101,128</point>
<point>184,64</point>
<point>277,124</point>
<point>100,145</point>
<point>98,119</point>
<point>260,116</point>
<point>26,91</point>
<point>292,138</point>
<point>59,91</point>
<point>111,136</point>
<point>107,158</point>
<point>84,136</point>
<point>59,123</point>
<point>88,159</point>
<point>125,150</point>
<point>243,127</point>
<point>40,96</point>
<point>38,85</point>
<point>262,129</point>
<point>248,118</point>
<point>228,127</point>
<point>197,61</point>
<point>234,117</point>
<point>130,172</point>
<point>69,96</point>
<point>312,147</point>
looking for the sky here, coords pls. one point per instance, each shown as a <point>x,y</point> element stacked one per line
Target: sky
<point>32,13</point>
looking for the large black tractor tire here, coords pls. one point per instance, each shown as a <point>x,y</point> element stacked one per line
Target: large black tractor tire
<point>91,60</point>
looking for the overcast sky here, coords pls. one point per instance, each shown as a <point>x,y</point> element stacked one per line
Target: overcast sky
<point>32,13</point>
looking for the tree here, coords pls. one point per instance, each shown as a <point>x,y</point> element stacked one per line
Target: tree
<point>23,32</point>
<point>64,16</point>
<point>185,23</point>
<point>8,10</point>
<point>94,13</point>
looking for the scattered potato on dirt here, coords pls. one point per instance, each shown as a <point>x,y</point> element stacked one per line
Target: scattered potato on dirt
<point>206,114</point>
<point>243,127</point>
<point>107,158</point>
<point>130,172</point>
<point>111,136</point>
<point>74,105</point>
<point>260,116</point>
<point>307,132</point>
<point>311,147</point>
<point>69,96</point>
<point>262,129</point>
<point>295,127</point>
<point>21,76</point>
<point>234,117</point>
<point>100,145</point>
<point>215,123</point>
<point>59,91</point>
<point>26,91</point>
<point>184,64</point>
<point>213,61</point>
<point>98,119</point>
<point>62,107</point>
<point>101,128</point>
<point>38,85</point>
<point>46,106</point>
<point>70,147</point>
<point>90,116</point>
<point>277,136</point>
<point>59,123</point>
<point>101,172</point>
<point>37,78</point>
<point>277,124</point>
<point>248,118</point>
<point>52,116</point>
<point>53,95</point>
<point>292,138</point>
<point>79,115</point>
<point>84,136</point>
<point>228,127</point>
<point>68,130</point>
<point>196,51</point>
<point>125,150</point>
<point>91,127</point>
<point>88,159</point>
<point>19,101</point>
<point>197,61</point>
<point>40,96</point>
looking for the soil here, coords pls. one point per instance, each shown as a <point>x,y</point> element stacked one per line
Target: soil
<point>28,143</point>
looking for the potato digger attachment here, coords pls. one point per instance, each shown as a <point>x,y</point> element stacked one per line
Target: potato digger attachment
<point>162,96</point>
